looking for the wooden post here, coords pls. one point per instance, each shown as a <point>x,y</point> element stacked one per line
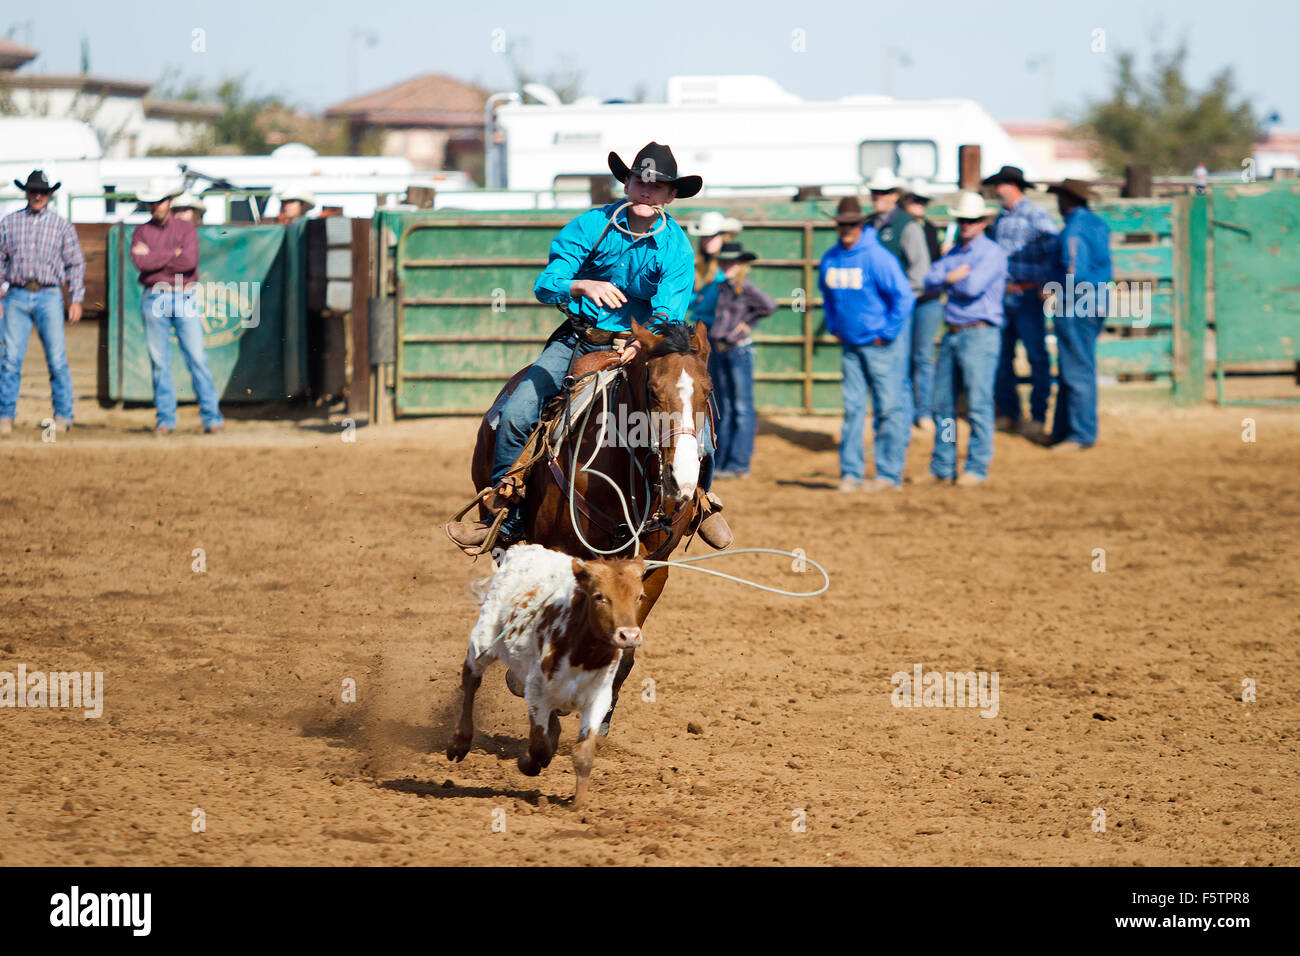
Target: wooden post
<point>968,166</point>
<point>1191,217</point>
<point>1137,182</point>
<point>359,373</point>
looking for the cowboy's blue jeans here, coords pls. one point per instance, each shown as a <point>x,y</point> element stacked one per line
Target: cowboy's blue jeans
<point>877,370</point>
<point>522,410</point>
<point>732,374</point>
<point>1024,321</point>
<point>926,319</point>
<point>22,310</point>
<point>163,312</point>
<point>974,352</point>
<point>1076,393</point>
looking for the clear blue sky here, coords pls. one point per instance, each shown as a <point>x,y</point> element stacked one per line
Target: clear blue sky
<point>300,50</point>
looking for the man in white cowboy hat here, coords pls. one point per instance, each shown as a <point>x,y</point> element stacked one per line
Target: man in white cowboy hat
<point>1027,235</point>
<point>974,276</point>
<point>188,207</point>
<point>166,251</point>
<point>610,265</point>
<point>39,253</point>
<point>295,203</point>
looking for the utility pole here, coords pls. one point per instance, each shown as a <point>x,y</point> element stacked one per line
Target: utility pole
<point>355,37</point>
<point>1046,63</point>
<point>892,57</point>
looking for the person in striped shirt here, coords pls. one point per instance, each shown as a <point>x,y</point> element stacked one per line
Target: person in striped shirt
<point>39,253</point>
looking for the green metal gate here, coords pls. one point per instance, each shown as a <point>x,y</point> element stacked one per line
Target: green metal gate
<point>467,318</point>
<point>1256,231</point>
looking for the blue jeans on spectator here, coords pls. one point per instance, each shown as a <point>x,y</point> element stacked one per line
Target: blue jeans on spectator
<point>1024,321</point>
<point>1076,393</point>
<point>732,373</point>
<point>165,311</point>
<point>522,410</point>
<point>878,370</point>
<point>974,352</point>
<point>926,319</point>
<point>22,310</point>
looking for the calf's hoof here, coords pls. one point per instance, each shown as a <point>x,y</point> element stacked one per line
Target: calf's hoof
<point>458,748</point>
<point>528,766</point>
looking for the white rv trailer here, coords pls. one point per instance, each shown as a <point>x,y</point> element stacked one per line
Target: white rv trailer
<point>69,151</point>
<point>743,133</point>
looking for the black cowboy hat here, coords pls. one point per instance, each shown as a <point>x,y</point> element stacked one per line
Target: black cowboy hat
<point>37,183</point>
<point>656,163</point>
<point>849,212</point>
<point>1009,174</point>
<point>735,252</point>
<point>1074,187</point>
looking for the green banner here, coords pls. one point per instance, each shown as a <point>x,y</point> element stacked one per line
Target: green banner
<point>252,306</point>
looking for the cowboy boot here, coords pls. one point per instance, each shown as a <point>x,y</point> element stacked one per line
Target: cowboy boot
<point>714,528</point>
<point>470,535</point>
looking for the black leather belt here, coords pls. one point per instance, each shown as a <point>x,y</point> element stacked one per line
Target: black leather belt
<point>954,329</point>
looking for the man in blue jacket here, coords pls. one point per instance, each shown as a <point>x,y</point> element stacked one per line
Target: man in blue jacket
<point>1080,307</point>
<point>605,269</point>
<point>868,302</point>
<point>974,275</point>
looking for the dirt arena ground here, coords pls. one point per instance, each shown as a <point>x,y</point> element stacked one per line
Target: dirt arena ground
<point>325,561</point>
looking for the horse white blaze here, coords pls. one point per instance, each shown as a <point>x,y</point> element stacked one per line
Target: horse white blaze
<point>686,457</point>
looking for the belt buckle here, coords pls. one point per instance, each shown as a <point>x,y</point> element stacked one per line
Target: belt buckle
<point>31,285</point>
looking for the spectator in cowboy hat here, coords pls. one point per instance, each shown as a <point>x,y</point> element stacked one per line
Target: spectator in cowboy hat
<point>623,261</point>
<point>166,251</point>
<point>39,253</point>
<point>974,275</point>
<point>1026,233</point>
<point>188,207</point>
<point>868,303</point>
<point>295,203</point>
<point>904,236</point>
<point>713,229</point>
<point>927,316</point>
<point>1079,309</point>
<point>741,305</point>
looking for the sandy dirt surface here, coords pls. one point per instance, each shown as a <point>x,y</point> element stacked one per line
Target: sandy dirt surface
<point>325,561</point>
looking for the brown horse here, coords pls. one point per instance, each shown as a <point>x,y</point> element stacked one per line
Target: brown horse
<point>665,389</point>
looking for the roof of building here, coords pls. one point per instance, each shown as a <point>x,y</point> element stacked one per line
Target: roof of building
<point>182,110</point>
<point>429,100</point>
<point>82,83</point>
<point>14,55</point>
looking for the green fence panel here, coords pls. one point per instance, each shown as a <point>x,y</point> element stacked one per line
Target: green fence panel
<point>252,310</point>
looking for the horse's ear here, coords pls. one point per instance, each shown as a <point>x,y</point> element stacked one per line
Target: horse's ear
<point>644,337</point>
<point>700,339</point>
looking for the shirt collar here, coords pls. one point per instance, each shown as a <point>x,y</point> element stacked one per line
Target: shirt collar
<point>28,210</point>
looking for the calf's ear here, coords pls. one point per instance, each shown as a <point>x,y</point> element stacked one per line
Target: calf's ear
<point>579,568</point>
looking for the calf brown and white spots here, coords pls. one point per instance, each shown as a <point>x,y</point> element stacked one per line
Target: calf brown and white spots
<point>561,626</point>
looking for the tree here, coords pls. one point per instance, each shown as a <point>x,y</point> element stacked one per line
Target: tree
<point>1161,121</point>
<point>565,80</point>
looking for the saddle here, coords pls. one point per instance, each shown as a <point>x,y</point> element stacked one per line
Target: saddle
<point>589,376</point>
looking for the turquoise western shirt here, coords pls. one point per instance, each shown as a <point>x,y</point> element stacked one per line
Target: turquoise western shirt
<point>656,273</point>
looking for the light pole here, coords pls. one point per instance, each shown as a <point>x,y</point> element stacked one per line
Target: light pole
<point>1046,64</point>
<point>892,57</point>
<point>356,36</point>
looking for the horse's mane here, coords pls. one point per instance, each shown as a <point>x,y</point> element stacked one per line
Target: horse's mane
<point>676,338</point>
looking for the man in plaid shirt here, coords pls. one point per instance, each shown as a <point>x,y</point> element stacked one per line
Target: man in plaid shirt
<point>1028,237</point>
<point>39,252</point>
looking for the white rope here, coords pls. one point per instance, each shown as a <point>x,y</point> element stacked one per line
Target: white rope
<point>688,563</point>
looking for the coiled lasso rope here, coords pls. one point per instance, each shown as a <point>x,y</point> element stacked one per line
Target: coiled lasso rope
<point>637,527</point>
